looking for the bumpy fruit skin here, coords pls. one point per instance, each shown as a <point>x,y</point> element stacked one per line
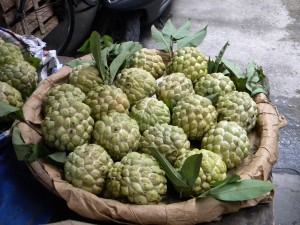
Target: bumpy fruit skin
<point>86,77</point>
<point>107,99</point>
<point>21,76</point>
<point>173,88</point>
<point>212,169</point>
<point>195,115</point>
<point>61,92</point>
<point>169,140</point>
<point>10,54</point>
<point>117,133</point>
<point>150,61</point>
<point>214,83</point>
<point>9,96</point>
<point>136,83</point>
<point>189,61</point>
<point>67,128</point>
<point>60,104</point>
<point>1,41</point>
<point>138,179</point>
<point>150,111</point>
<point>87,167</point>
<point>229,140</point>
<point>238,107</point>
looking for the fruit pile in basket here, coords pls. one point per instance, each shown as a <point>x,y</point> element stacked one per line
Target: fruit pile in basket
<point>135,124</point>
<point>18,79</point>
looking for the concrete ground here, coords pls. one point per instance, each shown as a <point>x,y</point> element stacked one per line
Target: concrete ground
<point>266,32</point>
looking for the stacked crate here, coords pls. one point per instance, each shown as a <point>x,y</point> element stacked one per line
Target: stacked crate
<point>38,22</point>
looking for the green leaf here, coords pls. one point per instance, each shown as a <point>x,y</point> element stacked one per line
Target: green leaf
<point>77,62</point>
<point>129,48</point>
<point>240,83</point>
<point>257,90</point>
<point>59,157</point>
<point>250,74</point>
<point>233,69</point>
<point>22,149</point>
<point>213,98</point>
<point>86,47</point>
<point>183,31</point>
<point>95,43</point>
<point>257,82</point>
<point>6,109</point>
<point>27,152</point>
<point>20,115</point>
<point>193,40</point>
<point>190,169</point>
<point>228,180</point>
<point>219,184</point>
<point>162,42</point>
<point>104,71</point>
<point>242,190</point>
<point>173,175</point>
<point>210,65</point>
<point>169,29</point>
<point>38,151</point>
<point>219,57</point>
<point>236,75</point>
<point>116,64</point>
<point>34,61</point>
<point>125,47</point>
<point>107,41</point>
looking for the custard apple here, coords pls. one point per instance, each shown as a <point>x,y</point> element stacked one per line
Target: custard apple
<point>86,77</point>
<point>117,133</point>
<point>67,128</point>
<point>173,88</point>
<point>136,83</point>
<point>190,61</point>
<point>169,140</point>
<point>229,140</point>
<point>10,54</point>
<point>106,99</point>
<point>61,92</point>
<point>214,83</point>
<point>212,169</point>
<point>150,61</point>
<point>9,96</point>
<point>22,76</point>
<point>138,179</point>
<point>150,111</point>
<point>195,115</point>
<point>87,167</point>
<point>238,107</point>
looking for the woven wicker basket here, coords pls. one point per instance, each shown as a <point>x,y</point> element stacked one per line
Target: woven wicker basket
<point>258,165</point>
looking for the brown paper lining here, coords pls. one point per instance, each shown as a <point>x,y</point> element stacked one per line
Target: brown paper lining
<point>258,165</point>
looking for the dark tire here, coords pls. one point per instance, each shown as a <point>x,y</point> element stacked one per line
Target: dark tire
<point>120,26</point>
<point>68,21</point>
<point>108,22</point>
<point>91,2</point>
<point>133,27</point>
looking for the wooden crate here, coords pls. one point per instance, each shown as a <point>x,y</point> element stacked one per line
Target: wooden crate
<point>38,22</point>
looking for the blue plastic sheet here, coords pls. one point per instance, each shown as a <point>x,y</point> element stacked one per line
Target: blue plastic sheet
<point>23,200</point>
